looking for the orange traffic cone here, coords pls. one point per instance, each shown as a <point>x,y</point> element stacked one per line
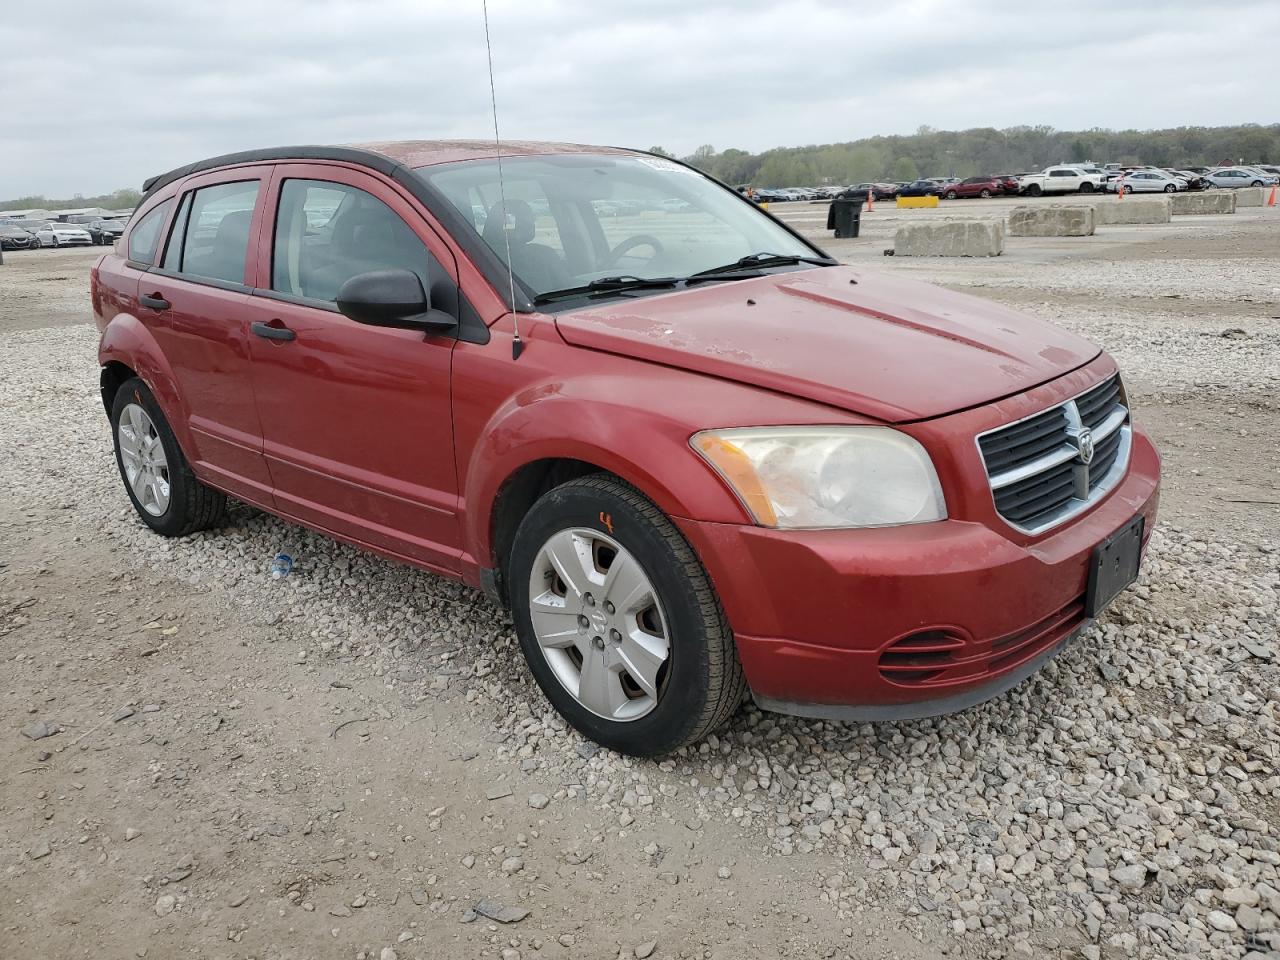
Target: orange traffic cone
<point>1271,200</point>
<point>871,207</point>
<point>1120,190</point>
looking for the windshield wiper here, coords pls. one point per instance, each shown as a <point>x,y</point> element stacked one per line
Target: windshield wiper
<point>756,260</point>
<point>607,285</point>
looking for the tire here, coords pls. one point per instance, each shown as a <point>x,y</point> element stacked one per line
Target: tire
<point>985,194</point>
<point>1170,188</point>
<point>951,194</point>
<point>191,506</point>
<point>1035,190</point>
<point>698,683</point>
<point>1257,183</point>
<point>1086,187</point>
<point>56,241</point>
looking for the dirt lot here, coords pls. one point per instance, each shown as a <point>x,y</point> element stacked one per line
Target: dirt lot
<point>347,762</point>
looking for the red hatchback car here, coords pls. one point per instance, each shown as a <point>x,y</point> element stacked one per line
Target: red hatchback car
<point>978,187</point>
<point>691,453</point>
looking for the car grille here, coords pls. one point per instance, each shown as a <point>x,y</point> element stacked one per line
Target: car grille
<point>1050,466</point>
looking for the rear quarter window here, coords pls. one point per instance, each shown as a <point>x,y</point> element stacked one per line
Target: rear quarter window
<point>145,236</point>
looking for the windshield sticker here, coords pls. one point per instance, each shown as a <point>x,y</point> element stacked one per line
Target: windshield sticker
<point>657,163</point>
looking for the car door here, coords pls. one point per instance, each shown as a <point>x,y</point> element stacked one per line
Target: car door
<point>356,419</point>
<point>193,299</point>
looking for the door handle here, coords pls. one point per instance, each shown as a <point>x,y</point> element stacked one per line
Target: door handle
<point>155,301</point>
<point>269,332</point>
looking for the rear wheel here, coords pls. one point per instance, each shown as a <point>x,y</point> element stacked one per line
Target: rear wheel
<point>618,620</point>
<point>165,493</point>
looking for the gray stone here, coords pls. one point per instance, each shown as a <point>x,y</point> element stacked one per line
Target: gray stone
<point>538,800</point>
<point>1051,221</point>
<point>950,238</point>
<point>1131,877</point>
<point>1222,921</point>
<point>500,911</point>
<point>1211,201</point>
<point>39,850</point>
<point>39,729</point>
<point>644,950</point>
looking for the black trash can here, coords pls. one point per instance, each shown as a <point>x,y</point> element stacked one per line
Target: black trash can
<point>845,218</point>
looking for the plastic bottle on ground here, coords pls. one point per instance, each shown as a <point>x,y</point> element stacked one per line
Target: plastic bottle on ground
<point>281,566</point>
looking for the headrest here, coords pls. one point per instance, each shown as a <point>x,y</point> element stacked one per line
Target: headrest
<point>519,220</point>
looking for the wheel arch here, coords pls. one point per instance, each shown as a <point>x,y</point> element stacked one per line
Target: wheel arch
<point>128,349</point>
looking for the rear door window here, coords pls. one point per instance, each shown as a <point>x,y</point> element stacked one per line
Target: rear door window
<point>327,233</point>
<point>145,236</point>
<point>216,241</point>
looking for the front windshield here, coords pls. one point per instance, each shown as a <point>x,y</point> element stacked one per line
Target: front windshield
<point>575,218</point>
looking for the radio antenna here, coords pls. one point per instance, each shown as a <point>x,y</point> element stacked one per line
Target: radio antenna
<point>517,345</point>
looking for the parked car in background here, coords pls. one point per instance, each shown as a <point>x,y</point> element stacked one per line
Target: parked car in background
<point>1193,179</point>
<point>1147,181</point>
<point>63,235</point>
<point>1230,177</point>
<point>890,518</point>
<point>13,237</point>
<point>105,231</point>
<point>1010,183</point>
<point>919,188</point>
<point>974,187</point>
<point>1060,179</point>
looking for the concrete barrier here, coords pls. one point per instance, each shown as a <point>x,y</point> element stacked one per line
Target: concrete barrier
<point>950,238</point>
<point>1133,210</point>
<point>917,202</point>
<point>1043,221</point>
<point>1251,196</point>
<point>1211,201</point>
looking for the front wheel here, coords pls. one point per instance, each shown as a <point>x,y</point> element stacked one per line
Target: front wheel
<point>1034,190</point>
<point>165,493</point>
<point>951,194</point>
<point>1086,187</point>
<point>618,621</point>
<point>1257,183</point>
<point>985,194</point>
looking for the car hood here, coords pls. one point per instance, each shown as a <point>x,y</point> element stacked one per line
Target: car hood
<point>883,347</point>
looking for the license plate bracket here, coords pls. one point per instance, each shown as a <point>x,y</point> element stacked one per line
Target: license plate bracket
<point>1114,565</point>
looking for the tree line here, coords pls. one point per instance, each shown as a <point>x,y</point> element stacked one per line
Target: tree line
<point>116,200</point>
<point>984,150</point>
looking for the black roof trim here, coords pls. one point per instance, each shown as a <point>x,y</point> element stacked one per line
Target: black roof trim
<point>365,158</point>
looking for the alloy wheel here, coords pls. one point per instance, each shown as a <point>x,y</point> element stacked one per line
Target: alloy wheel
<point>146,468</point>
<point>599,623</point>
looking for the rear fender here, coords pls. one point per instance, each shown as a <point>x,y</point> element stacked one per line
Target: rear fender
<point>125,339</point>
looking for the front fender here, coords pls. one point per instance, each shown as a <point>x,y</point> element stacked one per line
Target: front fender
<point>125,339</point>
<point>629,417</point>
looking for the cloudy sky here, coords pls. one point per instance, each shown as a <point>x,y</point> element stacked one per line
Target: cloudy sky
<point>99,94</point>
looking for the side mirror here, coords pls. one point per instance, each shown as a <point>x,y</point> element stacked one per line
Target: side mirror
<point>391,298</point>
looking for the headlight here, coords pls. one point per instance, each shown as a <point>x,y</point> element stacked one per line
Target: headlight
<point>814,477</point>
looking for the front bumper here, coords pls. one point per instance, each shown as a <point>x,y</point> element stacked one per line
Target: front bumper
<point>823,617</point>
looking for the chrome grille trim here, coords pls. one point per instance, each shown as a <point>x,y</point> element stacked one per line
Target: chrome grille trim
<point>1055,484</point>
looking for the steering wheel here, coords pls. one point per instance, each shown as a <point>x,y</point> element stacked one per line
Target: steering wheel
<point>629,244</point>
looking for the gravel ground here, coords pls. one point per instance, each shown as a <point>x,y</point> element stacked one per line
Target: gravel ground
<point>1125,802</point>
